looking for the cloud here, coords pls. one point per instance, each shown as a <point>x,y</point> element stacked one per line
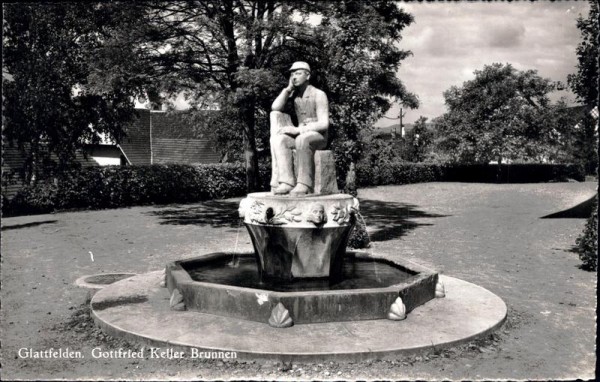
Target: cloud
<point>505,36</point>
<point>450,41</point>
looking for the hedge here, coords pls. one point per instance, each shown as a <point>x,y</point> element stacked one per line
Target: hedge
<point>513,173</point>
<point>114,186</point>
<point>405,173</point>
<point>396,173</point>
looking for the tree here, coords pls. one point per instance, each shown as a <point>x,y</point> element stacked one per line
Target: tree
<point>585,85</point>
<point>418,141</point>
<point>562,139</point>
<point>378,150</point>
<point>587,242</point>
<point>48,110</point>
<point>501,114</point>
<point>359,57</point>
<point>585,82</point>
<point>236,53</point>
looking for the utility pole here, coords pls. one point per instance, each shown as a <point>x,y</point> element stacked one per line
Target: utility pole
<point>401,132</point>
<point>401,126</point>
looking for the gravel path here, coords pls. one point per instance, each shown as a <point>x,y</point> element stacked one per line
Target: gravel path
<point>492,235</point>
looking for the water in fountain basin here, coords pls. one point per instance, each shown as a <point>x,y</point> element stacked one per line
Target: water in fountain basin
<point>359,273</point>
<point>364,222</point>
<point>234,263</point>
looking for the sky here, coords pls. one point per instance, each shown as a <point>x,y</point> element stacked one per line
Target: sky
<point>449,41</point>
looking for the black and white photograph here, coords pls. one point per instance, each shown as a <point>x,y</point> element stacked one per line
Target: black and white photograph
<point>303,190</point>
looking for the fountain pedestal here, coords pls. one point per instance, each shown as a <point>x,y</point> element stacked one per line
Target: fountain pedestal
<point>299,237</point>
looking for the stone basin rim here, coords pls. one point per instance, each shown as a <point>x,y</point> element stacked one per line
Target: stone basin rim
<point>420,272</point>
<point>288,197</point>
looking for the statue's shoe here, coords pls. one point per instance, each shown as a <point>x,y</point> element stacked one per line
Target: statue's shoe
<point>301,189</point>
<point>282,189</point>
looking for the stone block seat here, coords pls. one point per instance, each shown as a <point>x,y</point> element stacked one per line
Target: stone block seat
<point>325,175</point>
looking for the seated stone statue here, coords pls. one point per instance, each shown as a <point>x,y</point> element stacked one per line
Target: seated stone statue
<point>312,110</point>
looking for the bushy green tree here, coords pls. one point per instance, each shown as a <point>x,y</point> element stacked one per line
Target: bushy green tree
<point>358,55</point>
<point>587,242</point>
<point>379,151</point>
<point>48,109</point>
<point>501,114</point>
<point>418,141</point>
<point>585,82</point>
<point>585,85</point>
<point>574,136</point>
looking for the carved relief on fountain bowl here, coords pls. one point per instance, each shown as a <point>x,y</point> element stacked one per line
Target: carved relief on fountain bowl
<point>264,208</point>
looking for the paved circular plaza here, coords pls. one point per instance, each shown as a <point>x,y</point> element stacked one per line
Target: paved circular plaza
<point>138,310</point>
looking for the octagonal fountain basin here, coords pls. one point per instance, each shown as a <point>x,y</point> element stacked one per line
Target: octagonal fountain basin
<point>228,285</point>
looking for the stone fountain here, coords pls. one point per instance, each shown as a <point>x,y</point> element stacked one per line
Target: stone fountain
<point>300,271</point>
<point>300,276</point>
<point>300,231</point>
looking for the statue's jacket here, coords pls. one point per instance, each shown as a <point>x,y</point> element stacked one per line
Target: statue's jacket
<point>304,108</point>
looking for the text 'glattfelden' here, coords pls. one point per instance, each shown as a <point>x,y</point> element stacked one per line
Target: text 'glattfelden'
<point>142,353</point>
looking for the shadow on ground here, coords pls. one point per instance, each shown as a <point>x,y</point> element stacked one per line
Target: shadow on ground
<point>216,213</point>
<point>581,211</point>
<point>27,225</point>
<point>391,220</point>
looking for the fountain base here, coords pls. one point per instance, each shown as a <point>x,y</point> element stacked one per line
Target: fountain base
<point>227,285</point>
<point>137,310</point>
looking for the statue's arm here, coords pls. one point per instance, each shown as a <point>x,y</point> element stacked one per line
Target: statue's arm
<point>279,103</point>
<point>322,123</point>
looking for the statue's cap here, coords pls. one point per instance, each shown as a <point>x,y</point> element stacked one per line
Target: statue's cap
<point>300,65</point>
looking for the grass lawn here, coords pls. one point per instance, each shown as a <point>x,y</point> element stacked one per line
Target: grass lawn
<point>492,235</point>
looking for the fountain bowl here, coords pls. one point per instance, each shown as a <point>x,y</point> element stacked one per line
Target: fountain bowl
<point>299,236</point>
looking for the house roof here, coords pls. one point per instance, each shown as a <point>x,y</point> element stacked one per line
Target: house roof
<point>136,143</point>
<point>579,111</point>
<point>168,137</point>
<point>13,160</point>
<point>178,125</point>
<point>189,151</point>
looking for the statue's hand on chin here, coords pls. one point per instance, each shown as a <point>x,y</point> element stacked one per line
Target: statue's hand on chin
<point>290,88</point>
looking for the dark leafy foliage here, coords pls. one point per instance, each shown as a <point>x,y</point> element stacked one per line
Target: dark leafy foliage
<point>49,111</point>
<point>396,172</point>
<point>501,114</point>
<point>587,243</point>
<point>418,142</point>
<point>357,50</point>
<point>585,82</point>
<point>359,238</point>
